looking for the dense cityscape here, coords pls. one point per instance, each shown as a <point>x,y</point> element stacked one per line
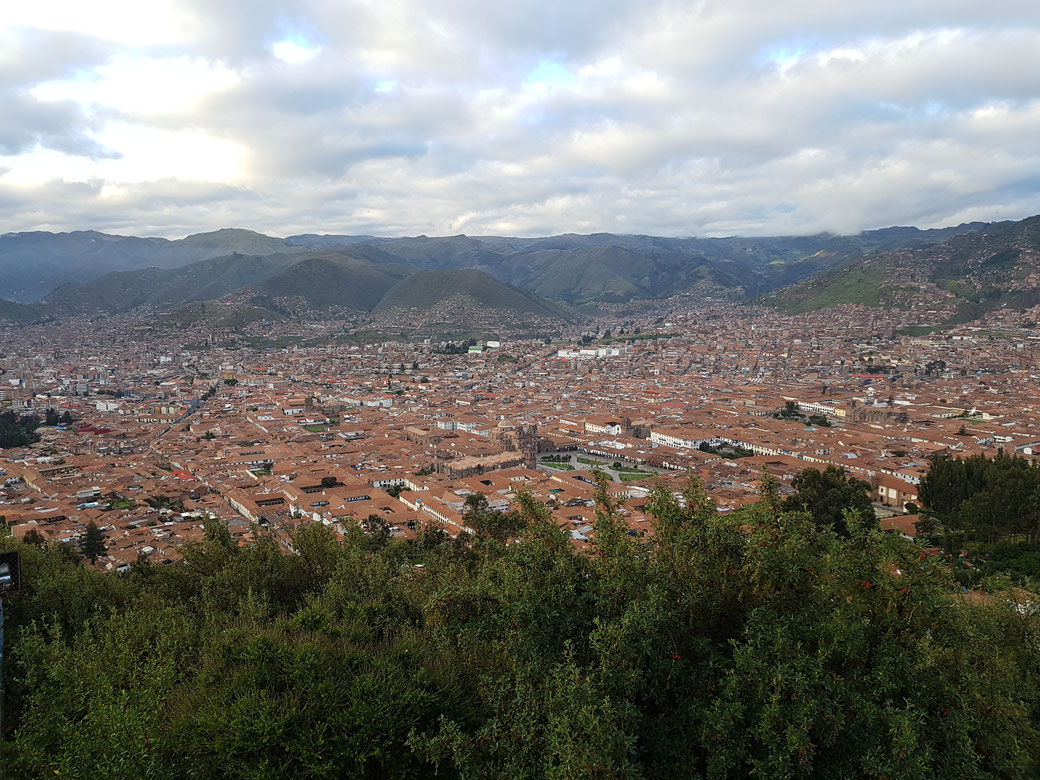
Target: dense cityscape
<point>169,428</point>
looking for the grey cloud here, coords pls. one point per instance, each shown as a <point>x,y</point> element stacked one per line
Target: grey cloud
<point>61,126</point>
<point>29,56</point>
<point>673,118</point>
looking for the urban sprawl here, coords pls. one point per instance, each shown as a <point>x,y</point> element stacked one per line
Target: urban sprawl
<point>156,432</point>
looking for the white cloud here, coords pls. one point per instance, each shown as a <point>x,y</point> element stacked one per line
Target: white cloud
<point>398,116</point>
<point>146,154</point>
<point>141,85</point>
<point>293,52</point>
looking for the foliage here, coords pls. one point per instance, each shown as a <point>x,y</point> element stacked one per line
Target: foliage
<point>984,499</point>
<point>17,430</point>
<point>726,450</point>
<point>858,284</point>
<point>118,502</point>
<point>746,644</point>
<point>165,502</point>
<point>827,495</point>
<point>93,544</point>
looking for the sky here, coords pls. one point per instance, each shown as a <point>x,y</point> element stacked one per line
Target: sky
<point>528,117</point>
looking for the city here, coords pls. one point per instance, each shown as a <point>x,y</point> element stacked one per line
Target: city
<point>165,435</point>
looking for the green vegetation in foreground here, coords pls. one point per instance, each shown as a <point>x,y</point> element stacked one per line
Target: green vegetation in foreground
<point>848,285</point>
<point>756,643</point>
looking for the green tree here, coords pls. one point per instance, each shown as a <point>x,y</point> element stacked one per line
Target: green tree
<point>378,530</point>
<point>93,544</point>
<point>33,537</point>
<point>827,495</point>
<point>752,643</point>
<point>17,430</point>
<point>488,522</point>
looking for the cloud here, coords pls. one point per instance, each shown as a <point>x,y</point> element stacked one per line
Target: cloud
<point>402,117</point>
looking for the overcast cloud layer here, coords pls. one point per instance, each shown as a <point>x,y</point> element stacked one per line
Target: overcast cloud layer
<point>396,117</point>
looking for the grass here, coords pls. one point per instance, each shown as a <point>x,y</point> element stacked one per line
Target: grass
<point>555,465</point>
<point>315,428</point>
<point>632,476</point>
<point>856,286</point>
<point>119,503</point>
<point>918,330</point>
<point>592,462</point>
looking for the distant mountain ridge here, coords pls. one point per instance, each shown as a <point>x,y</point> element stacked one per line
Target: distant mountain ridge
<point>317,280</point>
<point>92,272</point>
<point>424,290</point>
<point>34,264</point>
<point>961,278</point>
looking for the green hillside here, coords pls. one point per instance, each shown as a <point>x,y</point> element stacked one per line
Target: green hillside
<point>18,312</point>
<point>335,280</point>
<point>215,314</point>
<point>322,278</point>
<point>982,270</point>
<point>426,289</point>
<point>852,285</point>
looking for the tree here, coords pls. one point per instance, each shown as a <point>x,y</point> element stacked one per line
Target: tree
<point>35,538</point>
<point>52,418</point>
<point>490,523</point>
<point>17,430</point>
<point>751,643</point>
<point>66,418</point>
<point>378,529</point>
<point>826,495</point>
<point>93,544</point>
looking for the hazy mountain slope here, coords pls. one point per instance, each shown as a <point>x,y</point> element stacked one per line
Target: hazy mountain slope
<point>961,278</point>
<point>34,264</point>
<point>19,312</point>
<point>322,278</point>
<point>335,280</point>
<point>613,267</point>
<point>568,267</point>
<point>424,290</point>
<point>215,314</point>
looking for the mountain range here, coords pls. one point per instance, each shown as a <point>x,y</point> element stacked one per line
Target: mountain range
<point>51,275</point>
<point>960,279</point>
